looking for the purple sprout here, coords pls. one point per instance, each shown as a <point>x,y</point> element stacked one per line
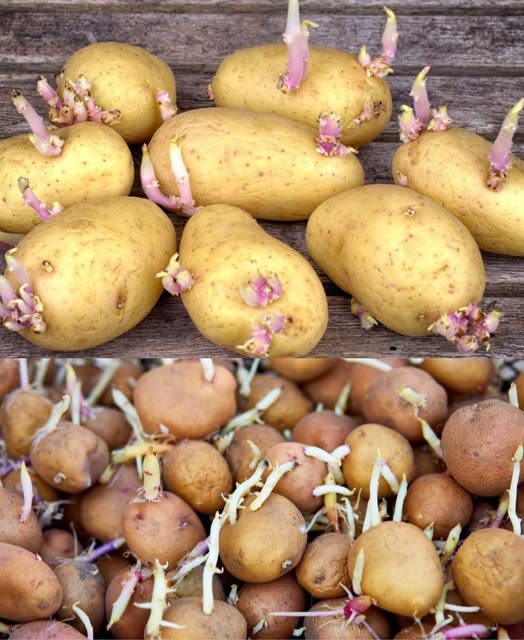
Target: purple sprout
<point>500,153</point>
<point>167,108</point>
<point>45,142</point>
<point>367,321</point>
<point>296,38</point>
<point>262,334</point>
<point>469,327</point>
<point>329,132</point>
<point>32,200</point>
<point>175,279</point>
<point>262,290</point>
<point>381,67</point>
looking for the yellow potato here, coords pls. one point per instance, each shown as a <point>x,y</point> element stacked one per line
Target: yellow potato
<point>224,247</point>
<point>127,78</point>
<point>247,79</point>
<point>452,168</point>
<point>402,256</point>
<point>265,164</point>
<point>95,162</point>
<point>93,268</point>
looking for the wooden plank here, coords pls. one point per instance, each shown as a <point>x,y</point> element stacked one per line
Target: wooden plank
<point>450,43</point>
<point>348,7</point>
<point>168,332</point>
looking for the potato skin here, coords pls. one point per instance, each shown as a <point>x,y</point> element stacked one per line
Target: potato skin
<point>263,163</point>
<point>384,244</point>
<point>95,162</point>
<point>127,78</point>
<point>93,267</point>
<point>26,579</point>
<point>335,82</point>
<point>452,168</point>
<point>224,247</point>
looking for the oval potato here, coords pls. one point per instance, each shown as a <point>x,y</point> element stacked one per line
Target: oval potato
<point>93,267</point>
<point>452,168</point>
<point>263,163</point>
<point>95,162</point>
<point>401,255</point>
<point>224,247</point>
<point>335,81</point>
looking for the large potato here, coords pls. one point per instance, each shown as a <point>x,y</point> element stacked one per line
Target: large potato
<point>335,81</point>
<point>224,247</point>
<point>263,163</point>
<point>401,255</point>
<point>452,168</point>
<point>93,268</point>
<point>95,162</point>
<point>126,78</point>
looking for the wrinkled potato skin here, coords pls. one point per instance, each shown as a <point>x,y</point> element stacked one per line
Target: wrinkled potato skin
<point>452,167</point>
<point>127,78</point>
<point>323,568</point>
<point>398,559</point>
<point>114,247</point>
<point>372,245</point>
<point>335,81</point>
<point>488,570</point>
<point>265,164</point>
<point>95,162</point>
<point>223,247</point>
<point>26,579</point>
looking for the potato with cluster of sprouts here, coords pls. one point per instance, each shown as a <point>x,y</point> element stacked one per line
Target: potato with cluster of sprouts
<point>479,182</point>
<point>350,92</point>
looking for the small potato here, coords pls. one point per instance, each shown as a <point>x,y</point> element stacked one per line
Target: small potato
<point>126,78</point>
<point>81,583</point>
<point>46,630</point>
<point>301,369</point>
<point>9,376</point>
<point>134,619</point>
<point>94,268</point>
<point>335,81</point>
<point>27,579</point>
<point>242,456</point>
<point>384,244</point>
<point>327,388</point>
<point>26,534</point>
<point>224,623</point>
<point>328,627</point>
<point>227,252</point>
<point>110,424</point>
<point>324,429</point>
<point>402,570</point>
<point>22,413</point>
<point>192,585</point>
<point>73,176</point>
<point>452,167</point>
<point>323,569</point>
<point>198,473</point>
<point>58,544</point>
<point>178,397</point>
<point>488,570</point>
<point>469,376</point>
<point>263,544</point>
<point>265,164</point>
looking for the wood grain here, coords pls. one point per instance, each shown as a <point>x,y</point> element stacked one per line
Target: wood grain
<point>475,49</point>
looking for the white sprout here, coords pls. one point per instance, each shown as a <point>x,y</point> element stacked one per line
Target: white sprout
<point>399,502</point>
<point>208,369</point>
<point>358,571</point>
<point>512,506</point>
<point>271,482</point>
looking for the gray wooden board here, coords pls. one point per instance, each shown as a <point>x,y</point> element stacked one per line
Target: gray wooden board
<point>475,49</point>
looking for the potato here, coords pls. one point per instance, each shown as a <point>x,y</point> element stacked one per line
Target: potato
<point>127,78</point>
<point>384,244</point>
<point>301,369</point>
<point>29,590</point>
<point>337,625</point>
<point>226,250</point>
<point>22,412</point>
<point>46,630</point>
<point>265,164</point>
<point>402,570</point>
<point>82,583</point>
<point>488,570</point>
<point>26,534</point>
<point>134,619</point>
<point>240,455</point>
<point>335,81</point>
<point>323,569</point>
<point>224,623</point>
<point>95,162</point>
<point>452,168</point>
<point>461,375</point>
<point>93,268</point>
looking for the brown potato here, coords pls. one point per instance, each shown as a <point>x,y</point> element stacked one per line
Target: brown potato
<point>9,376</point>
<point>22,413</point>
<point>69,457</point>
<point>257,601</point>
<point>401,571</point>
<point>198,473</point>
<point>191,585</point>
<point>289,407</point>
<point>326,389</point>
<point>324,429</point>
<point>110,424</point>
<point>436,498</point>
<point>425,461</point>
<point>178,397</point>
<point>46,630</point>
<point>479,441</point>
<point>82,583</point>
<point>58,544</point>
<point>134,619</point>
<point>240,455</point>
<point>301,369</point>
<point>468,376</point>
<point>365,441</point>
<point>27,579</point>
<point>224,623</point>
<point>324,566</point>
<point>41,489</point>
<point>363,377</point>
<point>264,544</point>
<point>384,405</point>
<point>336,626</point>
<point>488,570</point>
<point>25,534</point>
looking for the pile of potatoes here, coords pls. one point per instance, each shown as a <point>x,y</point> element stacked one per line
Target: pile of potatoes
<point>276,498</point>
<point>276,149</point>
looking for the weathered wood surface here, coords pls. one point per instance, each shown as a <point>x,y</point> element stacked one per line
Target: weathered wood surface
<point>475,49</point>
